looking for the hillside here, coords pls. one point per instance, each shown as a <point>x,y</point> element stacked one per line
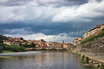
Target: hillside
<point>92,47</point>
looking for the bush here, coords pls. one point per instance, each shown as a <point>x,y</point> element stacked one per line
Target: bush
<point>102,66</point>
<point>1,49</point>
<point>83,57</point>
<point>87,59</point>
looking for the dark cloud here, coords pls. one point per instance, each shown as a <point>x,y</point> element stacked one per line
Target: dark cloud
<point>14,2</point>
<point>70,28</point>
<point>58,3</point>
<point>42,2</point>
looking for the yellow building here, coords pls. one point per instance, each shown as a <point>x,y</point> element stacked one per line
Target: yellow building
<point>21,40</point>
<point>67,45</point>
<point>35,42</point>
<point>58,45</point>
<point>7,42</point>
<point>37,45</point>
<point>77,41</point>
<point>29,43</point>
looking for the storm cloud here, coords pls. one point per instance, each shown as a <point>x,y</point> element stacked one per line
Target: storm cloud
<point>52,19</point>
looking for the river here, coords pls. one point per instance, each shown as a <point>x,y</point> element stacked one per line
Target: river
<point>40,60</point>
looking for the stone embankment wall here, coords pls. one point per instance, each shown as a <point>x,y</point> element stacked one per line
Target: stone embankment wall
<point>96,46</point>
<point>93,49</point>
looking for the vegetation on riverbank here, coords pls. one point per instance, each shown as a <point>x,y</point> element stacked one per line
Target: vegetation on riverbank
<point>7,52</point>
<point>11,48</point>
<point>70,51</point>
<point>93,37</point>
<point>102,67</point>
<point>83,56</point>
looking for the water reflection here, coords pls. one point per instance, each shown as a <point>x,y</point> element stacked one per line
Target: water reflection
<point>41,60</point>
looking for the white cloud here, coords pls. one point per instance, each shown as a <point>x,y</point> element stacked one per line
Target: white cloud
<point>11,14</point>
<point>33,12</point>
<point>3,1</point>
<point>38,36</point>
<point>85,12</point>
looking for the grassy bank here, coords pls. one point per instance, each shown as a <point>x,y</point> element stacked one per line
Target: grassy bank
<point>70,51</point>
<point>7,52</point>
<point>102,67</point>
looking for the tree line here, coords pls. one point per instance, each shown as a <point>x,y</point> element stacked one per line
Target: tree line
<point>13,48</point>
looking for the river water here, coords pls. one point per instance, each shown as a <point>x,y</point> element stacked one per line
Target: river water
<point>40,60</point>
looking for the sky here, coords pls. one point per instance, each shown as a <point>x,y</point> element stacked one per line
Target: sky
<point>51,20</point>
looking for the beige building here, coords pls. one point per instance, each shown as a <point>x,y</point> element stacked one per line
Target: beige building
<point>67,45</point>
<point>57,45</point>
<point>37,46</point>
<point>93,31</point>
<point>50,44</point>
<point>77,41</point>
<point>7,42</point>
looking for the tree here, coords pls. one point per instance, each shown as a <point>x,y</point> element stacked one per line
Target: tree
<point>1,39</point>
<point>21,38</point>
<point>33,44</point>
<point>0,49</point>
<point>43,40</point>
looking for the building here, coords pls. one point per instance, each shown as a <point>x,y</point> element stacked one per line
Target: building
<point>57,45</point>
<point>93,31</point>
<point>7,42</point>
<point>67,45</point>
<point>50,44</point>
<point>53,45</point>
<point>42,44</point>
<point>37,46</point>
<point>14,39</point>
<point>77,41</point>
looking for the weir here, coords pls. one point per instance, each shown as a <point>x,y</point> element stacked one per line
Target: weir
<point>47,48</point>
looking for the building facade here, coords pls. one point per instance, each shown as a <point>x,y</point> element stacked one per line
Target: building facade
<point>93,31</point>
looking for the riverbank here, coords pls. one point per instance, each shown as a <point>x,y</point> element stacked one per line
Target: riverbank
<point>8,52</point>
<point>95,60</point>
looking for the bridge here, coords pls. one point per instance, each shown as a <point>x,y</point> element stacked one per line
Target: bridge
<point>46,48</point>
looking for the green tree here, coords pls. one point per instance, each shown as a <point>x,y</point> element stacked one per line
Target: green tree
<point>1,39</point>
<point>33,44</point>
<point>43,40</point>
<point>1,49</point>
<point>21,38</point>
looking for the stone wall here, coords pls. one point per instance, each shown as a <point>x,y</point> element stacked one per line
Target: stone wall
<point>96,46</point>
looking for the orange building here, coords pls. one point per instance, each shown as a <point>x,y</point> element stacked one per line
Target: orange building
<point>67,45</point>
<point>42,44</point>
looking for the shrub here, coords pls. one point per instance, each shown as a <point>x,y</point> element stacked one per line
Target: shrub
<point>83,57</point>
<point>1,49</point>
<point>87,59</point>
<point>102,66</point>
